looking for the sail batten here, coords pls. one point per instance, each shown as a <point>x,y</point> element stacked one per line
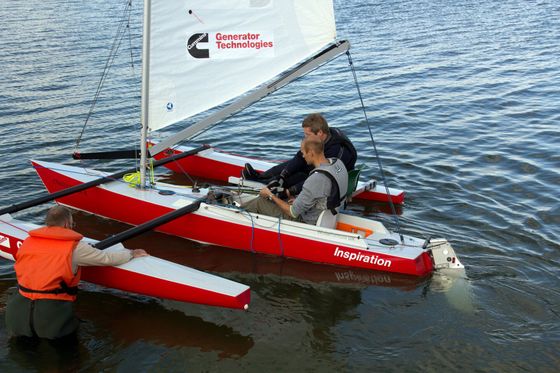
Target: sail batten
<point>203,54</point>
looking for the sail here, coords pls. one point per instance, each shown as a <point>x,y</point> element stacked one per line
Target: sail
<point>203,53</point>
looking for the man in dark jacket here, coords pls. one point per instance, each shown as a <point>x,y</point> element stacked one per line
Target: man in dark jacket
<point>291,174</point>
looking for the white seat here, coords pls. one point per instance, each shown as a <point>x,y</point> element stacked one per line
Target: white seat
<point>327,220</point>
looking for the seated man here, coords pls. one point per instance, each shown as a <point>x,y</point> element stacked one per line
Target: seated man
<point>291,174</point>
<point>324,188</point>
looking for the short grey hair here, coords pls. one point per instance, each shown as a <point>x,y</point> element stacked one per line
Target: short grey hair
<point>58,216</point>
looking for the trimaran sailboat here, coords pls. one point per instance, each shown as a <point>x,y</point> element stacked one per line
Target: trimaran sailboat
<point>201,54</point>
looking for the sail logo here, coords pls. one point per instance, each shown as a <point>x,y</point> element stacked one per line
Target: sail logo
<point>192,46</point>
<point>230,45</point>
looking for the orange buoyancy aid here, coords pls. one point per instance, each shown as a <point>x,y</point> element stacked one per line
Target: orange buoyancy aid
<point>44,264</point>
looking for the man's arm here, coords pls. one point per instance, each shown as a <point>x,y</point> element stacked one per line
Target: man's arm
<point>284,206</point>
<point>87,255</point>
<point>307,197</point>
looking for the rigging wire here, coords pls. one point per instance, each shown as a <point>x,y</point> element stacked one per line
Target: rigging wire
<point>138,79</point>
<point>280,243</point>
<point>351,63</point>
<point>178,164</point>
<point>123,26</point>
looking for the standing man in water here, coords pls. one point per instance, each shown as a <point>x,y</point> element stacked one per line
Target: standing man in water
<point>48,272</point>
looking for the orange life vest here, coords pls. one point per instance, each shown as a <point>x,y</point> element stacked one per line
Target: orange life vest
<point>44,264</point>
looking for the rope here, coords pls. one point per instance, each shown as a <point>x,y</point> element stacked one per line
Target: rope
<point>133,178</point>
<point>375,147</point>
<point>178,164</point>
<point>244,213</point>
<point>123,24</point>
<point>280,237</point>
<point>252,243</point>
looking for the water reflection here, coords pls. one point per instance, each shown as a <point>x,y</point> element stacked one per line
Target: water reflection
<point>291,300</point>
<point>65,355</point>
<point>295,275</point>
<point>130,321</point>
<point>457,288</point>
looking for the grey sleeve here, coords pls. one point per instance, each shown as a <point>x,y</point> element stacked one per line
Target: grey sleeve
<point>316,186</point>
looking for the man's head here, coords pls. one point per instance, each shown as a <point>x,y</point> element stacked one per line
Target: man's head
<point>59,216</point>
<point>312,150</point>
<point>315,126</point>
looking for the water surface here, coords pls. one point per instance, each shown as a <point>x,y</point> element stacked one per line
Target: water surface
<point>462,97</point>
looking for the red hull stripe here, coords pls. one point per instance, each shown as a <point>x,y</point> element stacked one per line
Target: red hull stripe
<point>380,197</point>
<point>202,167</point>
<point>122,279</point>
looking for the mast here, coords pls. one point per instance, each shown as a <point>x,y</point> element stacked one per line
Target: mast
<point>145,91</point>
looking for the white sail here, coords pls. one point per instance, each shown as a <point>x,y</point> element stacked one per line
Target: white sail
<point>206,52</point>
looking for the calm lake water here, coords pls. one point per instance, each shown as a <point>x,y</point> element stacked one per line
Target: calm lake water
<point>463,98</point>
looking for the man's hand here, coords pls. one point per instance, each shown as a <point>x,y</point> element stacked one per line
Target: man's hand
<point>137,253</point>
<point>289,196</point>
<point>265,193</point>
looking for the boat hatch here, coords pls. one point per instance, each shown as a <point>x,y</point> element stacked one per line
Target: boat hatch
<point>363,232</point>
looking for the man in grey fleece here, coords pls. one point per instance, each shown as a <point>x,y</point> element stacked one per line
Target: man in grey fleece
<point>316,190</point>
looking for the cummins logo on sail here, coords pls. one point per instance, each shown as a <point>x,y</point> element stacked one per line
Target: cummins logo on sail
<point>192,45</point>
<point>229,44</point>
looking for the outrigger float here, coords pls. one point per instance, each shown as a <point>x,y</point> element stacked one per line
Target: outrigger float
<point>149,275</point>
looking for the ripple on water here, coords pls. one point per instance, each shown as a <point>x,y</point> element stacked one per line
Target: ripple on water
<point>462,99</point>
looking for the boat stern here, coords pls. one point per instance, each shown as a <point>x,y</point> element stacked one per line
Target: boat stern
<point>443,255</point>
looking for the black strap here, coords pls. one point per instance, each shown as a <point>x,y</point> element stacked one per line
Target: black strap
<point>63,289</point>
<point>334,200</point>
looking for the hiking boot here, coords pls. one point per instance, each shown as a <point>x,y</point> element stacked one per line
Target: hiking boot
<point>249,173</point>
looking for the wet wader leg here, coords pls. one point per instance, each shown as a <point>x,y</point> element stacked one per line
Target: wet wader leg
<point>18,314</point>
<point>55,318</point>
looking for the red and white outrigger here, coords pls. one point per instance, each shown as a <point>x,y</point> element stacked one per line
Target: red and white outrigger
<point>350,241</point>
<point>147,275</point>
